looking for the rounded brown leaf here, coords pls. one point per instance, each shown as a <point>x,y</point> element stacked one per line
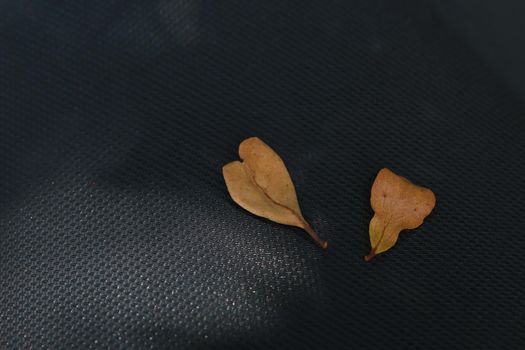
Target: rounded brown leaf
<point>398,205</point>
<point>262,185</point>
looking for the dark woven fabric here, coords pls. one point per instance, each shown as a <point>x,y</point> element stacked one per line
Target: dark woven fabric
<point>116,229</point>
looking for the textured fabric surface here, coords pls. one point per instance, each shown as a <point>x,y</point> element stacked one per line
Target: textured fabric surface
<point>116,229</point>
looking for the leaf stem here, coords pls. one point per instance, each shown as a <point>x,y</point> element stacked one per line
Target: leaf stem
<point>321,242</point>
<point>371,255</point>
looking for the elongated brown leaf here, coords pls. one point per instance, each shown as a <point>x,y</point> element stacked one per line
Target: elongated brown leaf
<point>398,205</point>
<point>260,183</point>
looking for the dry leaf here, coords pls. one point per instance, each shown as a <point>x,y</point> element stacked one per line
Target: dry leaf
<point>261,184</point>
<point>398,205</point>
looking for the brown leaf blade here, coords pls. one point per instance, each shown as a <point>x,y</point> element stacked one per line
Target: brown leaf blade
<point>261,184</point>
<point>398,205</point>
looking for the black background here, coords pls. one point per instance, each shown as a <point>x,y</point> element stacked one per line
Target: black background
<point>116,229</point>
